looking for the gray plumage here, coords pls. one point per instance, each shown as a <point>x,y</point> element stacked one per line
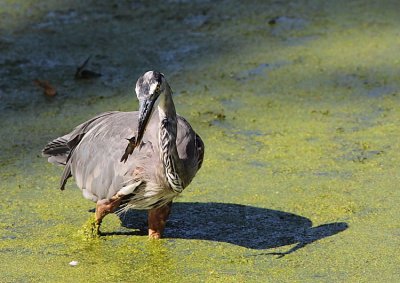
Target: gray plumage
<point>168,154</point>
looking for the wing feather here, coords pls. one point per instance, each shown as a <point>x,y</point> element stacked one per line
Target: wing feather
<point>59,151</point>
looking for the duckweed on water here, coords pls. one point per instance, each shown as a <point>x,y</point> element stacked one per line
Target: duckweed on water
<point>90,230</point>
<point>297,104</point>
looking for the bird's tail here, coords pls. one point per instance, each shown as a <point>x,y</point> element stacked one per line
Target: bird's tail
<point>57,151</point>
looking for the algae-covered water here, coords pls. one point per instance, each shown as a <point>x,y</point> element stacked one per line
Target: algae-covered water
<point>296,101</point>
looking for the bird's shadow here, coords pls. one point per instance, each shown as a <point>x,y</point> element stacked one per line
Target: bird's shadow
<point>242,225</point>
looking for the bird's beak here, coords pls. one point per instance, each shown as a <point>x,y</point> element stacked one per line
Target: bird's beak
<point>145,111</point>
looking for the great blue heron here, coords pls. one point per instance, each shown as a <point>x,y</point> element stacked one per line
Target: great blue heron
<point>165,155</point>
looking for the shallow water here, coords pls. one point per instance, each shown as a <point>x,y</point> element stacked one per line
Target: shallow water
<point>297,104</point>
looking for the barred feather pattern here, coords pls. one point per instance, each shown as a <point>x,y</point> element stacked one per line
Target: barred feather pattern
<point>167,149</point>
<point>145,195</point>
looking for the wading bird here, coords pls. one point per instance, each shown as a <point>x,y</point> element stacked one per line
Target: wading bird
<point>146,172</point>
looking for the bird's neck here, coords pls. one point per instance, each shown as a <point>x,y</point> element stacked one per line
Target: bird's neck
<point>167,142</point>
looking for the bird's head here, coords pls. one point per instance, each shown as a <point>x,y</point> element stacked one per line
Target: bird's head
<point>148,89</point>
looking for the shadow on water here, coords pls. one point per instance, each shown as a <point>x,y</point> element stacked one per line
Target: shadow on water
<point>242,225</point>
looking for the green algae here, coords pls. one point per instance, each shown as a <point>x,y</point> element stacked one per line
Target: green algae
<point>90,230</point>
<point>299,117</point>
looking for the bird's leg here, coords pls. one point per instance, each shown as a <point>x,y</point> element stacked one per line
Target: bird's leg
<point>106,206</point>
<point>157,217</point>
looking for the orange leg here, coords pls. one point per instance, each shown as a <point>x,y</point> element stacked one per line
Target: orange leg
<point>157,218</point>
<point>104,207</point>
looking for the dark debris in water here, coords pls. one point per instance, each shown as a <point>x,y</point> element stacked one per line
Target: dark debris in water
<point>322,112</point>
<point>212,117</point>
<point>362,152</point>
<point>83,73</point>
<point>259,71</point>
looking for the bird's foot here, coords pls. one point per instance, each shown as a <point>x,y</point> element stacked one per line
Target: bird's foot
<point>157,217</point>
<point>106,206</point>
<point>154,234</point>
<point>103,207</point>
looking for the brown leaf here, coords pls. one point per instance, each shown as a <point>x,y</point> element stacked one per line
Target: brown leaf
<point>48,89</point>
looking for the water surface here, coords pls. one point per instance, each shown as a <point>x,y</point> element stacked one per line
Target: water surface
<point>297,104</point>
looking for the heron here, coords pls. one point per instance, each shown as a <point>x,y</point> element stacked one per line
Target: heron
<point>146,171</point>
